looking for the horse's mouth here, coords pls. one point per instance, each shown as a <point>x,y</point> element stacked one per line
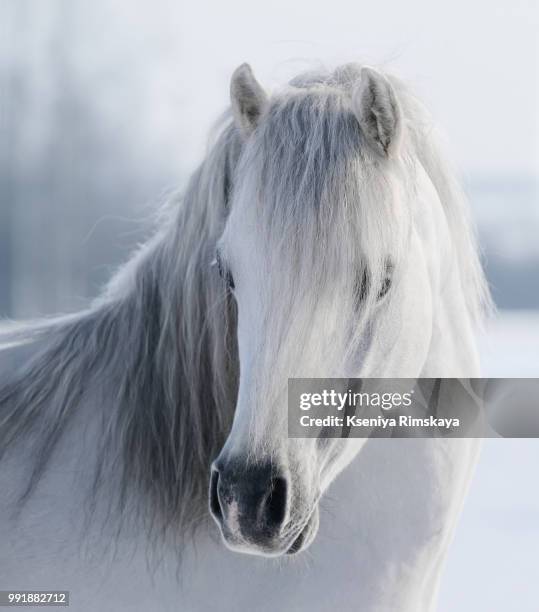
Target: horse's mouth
<point>306,535</point>
<point>298,542</point>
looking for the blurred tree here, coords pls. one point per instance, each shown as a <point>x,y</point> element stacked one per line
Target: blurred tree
<point>62,167</point>
<point>10,104</point>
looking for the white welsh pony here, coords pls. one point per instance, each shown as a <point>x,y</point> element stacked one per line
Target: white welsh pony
<point>341,246</point>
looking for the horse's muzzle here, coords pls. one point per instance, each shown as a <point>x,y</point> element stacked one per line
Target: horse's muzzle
<point>250,504</point>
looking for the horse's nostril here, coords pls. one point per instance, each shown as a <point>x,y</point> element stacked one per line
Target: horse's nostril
<point>249,501</point>
<point>215,504</point>
<point>276,502</point>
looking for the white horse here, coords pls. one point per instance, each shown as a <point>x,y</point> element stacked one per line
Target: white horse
<point>341,246</point>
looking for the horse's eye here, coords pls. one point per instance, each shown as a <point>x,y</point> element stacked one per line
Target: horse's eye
<point>386,283</point>
<point>386,286</point>
<point>224,272</point>
<point>363,284</point>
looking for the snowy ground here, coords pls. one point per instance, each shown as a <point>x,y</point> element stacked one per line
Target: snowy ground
<point>493,565</point>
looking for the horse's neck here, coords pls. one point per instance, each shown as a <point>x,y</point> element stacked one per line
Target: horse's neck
<point>405,499</point>
<point>418,485</point>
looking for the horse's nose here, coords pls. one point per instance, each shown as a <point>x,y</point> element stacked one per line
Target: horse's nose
<point>250,502</point>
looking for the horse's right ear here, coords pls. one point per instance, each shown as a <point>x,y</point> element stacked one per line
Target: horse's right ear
<point>248,99</point>
<point>378,112</point>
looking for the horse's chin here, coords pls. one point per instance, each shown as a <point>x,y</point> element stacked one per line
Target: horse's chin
<point>302,540</point>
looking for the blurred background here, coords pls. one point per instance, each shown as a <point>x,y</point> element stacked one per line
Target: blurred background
<point>105,109</point>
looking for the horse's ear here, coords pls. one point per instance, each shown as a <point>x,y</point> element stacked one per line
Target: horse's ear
<point>378,112</point>
<point>248,99</point>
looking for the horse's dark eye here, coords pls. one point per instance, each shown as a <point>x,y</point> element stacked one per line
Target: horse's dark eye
<point>363,284</point>
<point>229,279</point>
<point>386,283</point>
<point>386,286</point>
<point>224,272</point>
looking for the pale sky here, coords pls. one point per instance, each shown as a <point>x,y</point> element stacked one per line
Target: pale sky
<point>476,63</point>
<point>163,67</point>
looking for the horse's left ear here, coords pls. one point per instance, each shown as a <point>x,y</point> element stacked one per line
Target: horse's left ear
<point>378,112</point>
<point>247,97</point>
